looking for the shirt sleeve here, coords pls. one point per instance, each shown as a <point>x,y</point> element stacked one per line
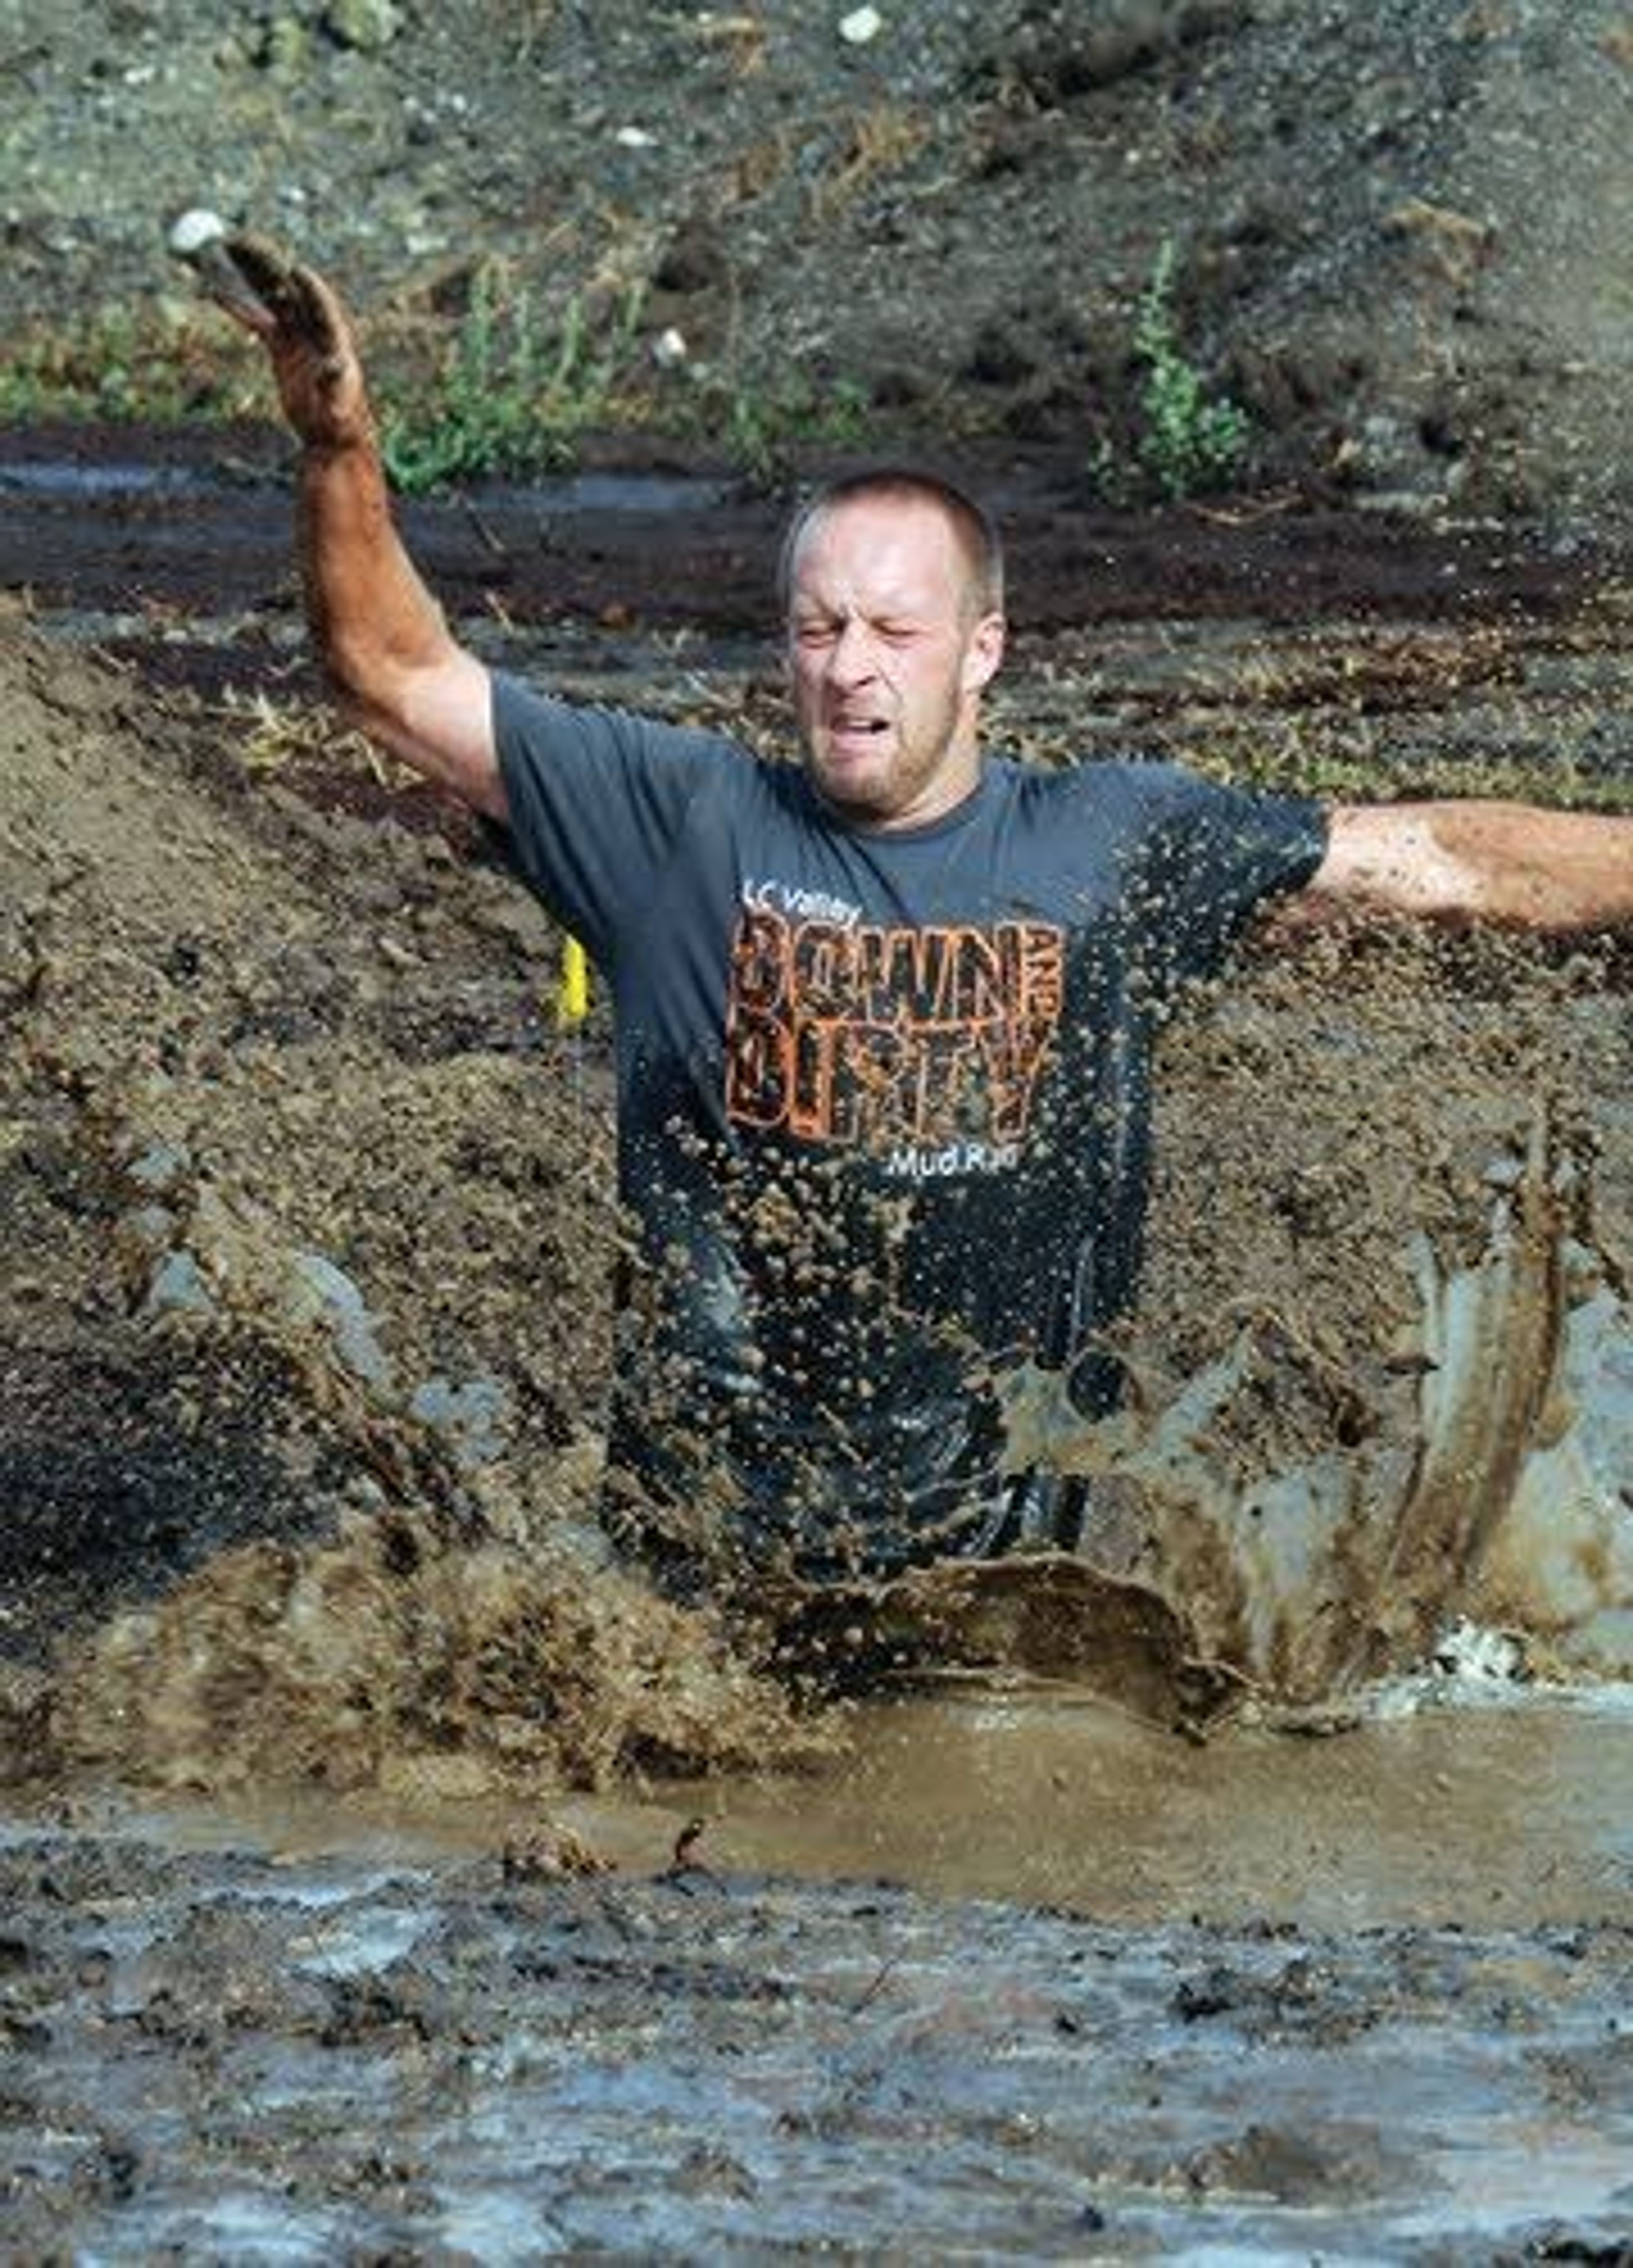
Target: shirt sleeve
<point>1204,856</point>
<point>597,799</point>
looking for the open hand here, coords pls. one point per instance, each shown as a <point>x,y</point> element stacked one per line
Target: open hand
<point>289,306</point>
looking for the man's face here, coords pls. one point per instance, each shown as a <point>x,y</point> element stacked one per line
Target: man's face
<point>889,653</point>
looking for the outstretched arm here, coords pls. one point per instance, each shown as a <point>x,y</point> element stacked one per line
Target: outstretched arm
<point>393,666</point>
<point>1510,863</point>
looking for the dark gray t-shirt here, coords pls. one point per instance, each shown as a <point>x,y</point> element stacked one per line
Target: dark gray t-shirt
<point>884,1109</point>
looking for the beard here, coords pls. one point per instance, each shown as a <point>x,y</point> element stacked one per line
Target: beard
<point>914,751</point>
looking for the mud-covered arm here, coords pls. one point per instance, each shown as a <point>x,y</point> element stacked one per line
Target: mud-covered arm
<point>1510,863</point>
<point>392,663</point>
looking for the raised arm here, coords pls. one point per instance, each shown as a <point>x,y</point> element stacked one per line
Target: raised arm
<point>1511,863</point>
<point>392,664</point>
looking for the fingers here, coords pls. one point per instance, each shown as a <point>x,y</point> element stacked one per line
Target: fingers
<point>252,280</point>
<point>297,303</point>
<point>294,314</point>
<point>245,277</point>
<point>220,280</point>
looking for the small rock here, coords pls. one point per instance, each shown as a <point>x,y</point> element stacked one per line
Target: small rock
<point>861,26</point>
<point>367,26</point>
<point>178,1285</point>
<point>319,1286</point>
<point>670,348</point>
<point>472,1417</point>
<point>193,230</point>
<point>159,1166</point>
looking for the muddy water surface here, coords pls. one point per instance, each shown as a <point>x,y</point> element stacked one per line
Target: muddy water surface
<point>1454,1797</point>
<point>1519,1811</point>
<point>1365,2001</point>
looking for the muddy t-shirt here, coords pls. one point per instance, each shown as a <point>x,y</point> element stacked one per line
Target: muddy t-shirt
<point>884,1109</point>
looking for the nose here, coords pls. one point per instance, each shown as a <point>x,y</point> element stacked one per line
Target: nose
<point>850,660</point>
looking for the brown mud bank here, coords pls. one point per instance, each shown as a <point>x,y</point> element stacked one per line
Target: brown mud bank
<point>1392,227</point>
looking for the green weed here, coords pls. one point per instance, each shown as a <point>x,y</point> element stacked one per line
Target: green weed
<point>161,367</point>
<point>763,425</point>
<point>1189,441</point>
<point>512,394</point>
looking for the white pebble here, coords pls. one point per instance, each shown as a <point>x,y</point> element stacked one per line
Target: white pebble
<point>670,348</point>
<point>194,231</point>
<point>861,26</point>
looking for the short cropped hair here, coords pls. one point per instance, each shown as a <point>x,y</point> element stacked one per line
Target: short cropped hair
<point>973,529</point>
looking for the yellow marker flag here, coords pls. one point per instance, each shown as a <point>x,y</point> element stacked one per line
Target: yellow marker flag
<point>572,998</point>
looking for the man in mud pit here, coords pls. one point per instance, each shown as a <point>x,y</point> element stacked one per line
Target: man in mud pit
<point>884,1021</point>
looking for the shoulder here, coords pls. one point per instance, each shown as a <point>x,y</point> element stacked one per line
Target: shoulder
<point>525,719</point>
<point>1186,847</point>
<point>1125,792</point>
<point>1170,801</point>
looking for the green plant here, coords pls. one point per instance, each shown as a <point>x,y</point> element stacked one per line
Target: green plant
<point>1108,473</point>
<point>1189,441</point>
<point>763,424</point>
<point>163,366</point>
<point>511,396</point>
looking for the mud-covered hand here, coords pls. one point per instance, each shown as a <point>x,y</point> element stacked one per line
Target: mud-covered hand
<point>302,324</point>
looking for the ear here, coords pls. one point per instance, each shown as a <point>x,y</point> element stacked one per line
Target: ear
<point>984,653</point>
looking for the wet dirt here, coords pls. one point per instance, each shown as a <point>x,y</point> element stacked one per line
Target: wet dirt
<point>305,1232</point>
<point>253,2051</point>
<point>112,517</point>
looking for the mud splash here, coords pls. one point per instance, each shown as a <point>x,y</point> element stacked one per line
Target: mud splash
<point>1334,1569</point>
<point>387,1659</point>
<point>1311,1499</point>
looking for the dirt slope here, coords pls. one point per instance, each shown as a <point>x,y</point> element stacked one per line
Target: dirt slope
<point>303,1237</point>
